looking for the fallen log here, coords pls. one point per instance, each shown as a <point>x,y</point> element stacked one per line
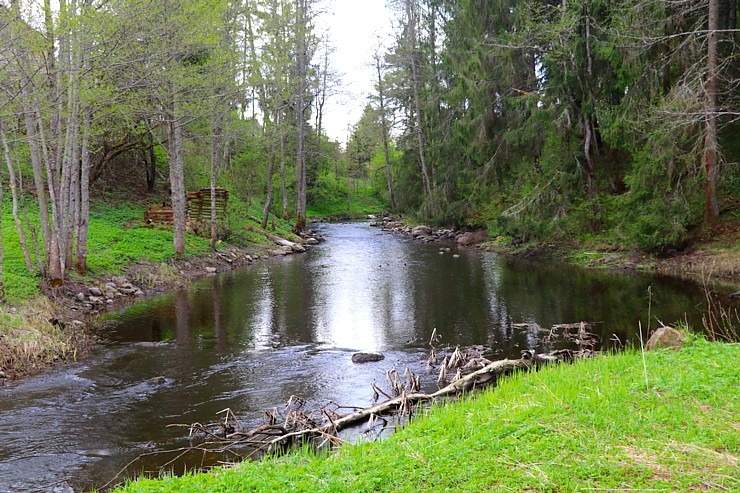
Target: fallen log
<point>480,378</point>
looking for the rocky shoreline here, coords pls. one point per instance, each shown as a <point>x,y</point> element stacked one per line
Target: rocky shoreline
<point>429,234</point>
<point>141,280</point>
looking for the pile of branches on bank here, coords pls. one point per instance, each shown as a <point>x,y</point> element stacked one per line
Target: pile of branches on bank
<point>460,370</point>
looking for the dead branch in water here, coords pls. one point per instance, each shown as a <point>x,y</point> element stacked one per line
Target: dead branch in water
<point>405,401</point>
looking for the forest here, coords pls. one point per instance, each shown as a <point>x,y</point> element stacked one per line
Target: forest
<point>537,120</point>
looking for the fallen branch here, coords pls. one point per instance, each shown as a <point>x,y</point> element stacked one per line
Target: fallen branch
<point>480,378</point>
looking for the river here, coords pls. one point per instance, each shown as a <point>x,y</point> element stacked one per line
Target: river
<point>250,339</point>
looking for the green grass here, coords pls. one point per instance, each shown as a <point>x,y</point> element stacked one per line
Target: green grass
<point>591,426</point>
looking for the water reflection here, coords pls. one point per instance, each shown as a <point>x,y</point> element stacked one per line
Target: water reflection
<point>251,339</point>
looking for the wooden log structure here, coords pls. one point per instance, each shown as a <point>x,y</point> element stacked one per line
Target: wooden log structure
<point>159,214</point>
<point>199,205</point>
<point>198,208</point>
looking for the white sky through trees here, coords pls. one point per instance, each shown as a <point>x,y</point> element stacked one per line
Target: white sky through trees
<point>353,28</point>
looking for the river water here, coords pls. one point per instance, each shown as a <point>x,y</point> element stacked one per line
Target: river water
<point>248,340</point>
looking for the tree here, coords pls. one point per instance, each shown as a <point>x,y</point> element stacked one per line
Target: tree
<point>385,134</point>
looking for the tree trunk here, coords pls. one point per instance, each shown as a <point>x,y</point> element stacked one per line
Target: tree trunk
<point>270,171</point>
<point>384,130</point>
<point>301,69</point>
<point>177,175</point>
<point>81,249</point>
<point>216,152</point>
<point>411,16</point>
<point>13,182</point>
<point>283,185</point>
<point>711,205</point>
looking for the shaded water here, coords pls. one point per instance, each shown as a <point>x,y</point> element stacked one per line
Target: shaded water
<point>250,339</point>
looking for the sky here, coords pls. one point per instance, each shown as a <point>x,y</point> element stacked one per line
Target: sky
<point>353,27</point>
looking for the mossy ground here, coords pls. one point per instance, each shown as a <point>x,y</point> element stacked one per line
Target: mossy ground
<point>611,423</point>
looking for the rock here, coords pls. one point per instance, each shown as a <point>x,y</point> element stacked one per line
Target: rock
<point>95,291</point>
<point>62,488</point>
<point>138,292</point>
<point>297,247</point>
<point>472,237</point>
<point>455,255</point>
<point>119,280</point>
<point>363,357</point>
<point>160,380</point>
<point>312,241</point>
<point>665,337</point>
<point>111,290</point>
<point>211,270</point>
<point>127,290</point>
<point>80,297</point>
<point>95,300</point>
<point>3,374</point>
<point>611,258</point>
<point>421,231</point>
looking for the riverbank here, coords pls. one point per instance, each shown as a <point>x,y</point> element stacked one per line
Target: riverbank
<point>41,327</point>
<point>711,257</point>
<point>614,423</point>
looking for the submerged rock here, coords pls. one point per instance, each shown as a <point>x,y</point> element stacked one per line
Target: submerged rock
<point>363,357</point>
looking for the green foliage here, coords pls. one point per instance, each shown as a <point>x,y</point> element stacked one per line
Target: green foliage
<point>666,425</point>
<point>330,198</point>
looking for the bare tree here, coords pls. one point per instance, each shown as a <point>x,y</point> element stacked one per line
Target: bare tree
<point>711,206</point>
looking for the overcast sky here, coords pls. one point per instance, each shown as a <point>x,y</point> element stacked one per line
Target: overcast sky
<point>353,27</point>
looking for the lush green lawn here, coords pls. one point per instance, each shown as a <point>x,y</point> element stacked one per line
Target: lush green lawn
<point>596,425</point>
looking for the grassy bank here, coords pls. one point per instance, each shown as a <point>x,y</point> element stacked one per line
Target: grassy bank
<point>33,332</point>
<point>607,424</point>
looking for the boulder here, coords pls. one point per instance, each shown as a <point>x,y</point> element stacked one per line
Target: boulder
<point>211,270</point>
<point>297,247</point>
<point>665,337</point>
<point>421,231</point>
<point>472,237</point>
<point>367,357</point>
<point>95,291</point>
